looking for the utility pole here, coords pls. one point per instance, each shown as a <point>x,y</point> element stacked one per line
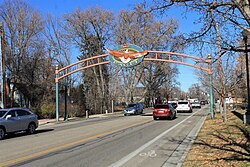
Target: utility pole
<point>2,66</point>
<point>247,114</point>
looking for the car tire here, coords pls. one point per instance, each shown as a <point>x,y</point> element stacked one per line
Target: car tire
<point>31,128</point>
<point>155,118</point>
<point>2,133</point>
<point>142,111</point>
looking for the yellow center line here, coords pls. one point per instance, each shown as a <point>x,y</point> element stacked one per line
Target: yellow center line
<point>47,151</point>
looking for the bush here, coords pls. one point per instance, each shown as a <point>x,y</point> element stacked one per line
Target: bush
<point>47,111</point>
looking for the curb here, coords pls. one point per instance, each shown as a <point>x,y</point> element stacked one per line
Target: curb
<point>43,122</point>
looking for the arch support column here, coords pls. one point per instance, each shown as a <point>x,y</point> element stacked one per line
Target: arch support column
<point>211,86</point>
<point>57,95</point>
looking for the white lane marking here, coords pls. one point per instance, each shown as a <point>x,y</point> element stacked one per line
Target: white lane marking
<point>136,152</point>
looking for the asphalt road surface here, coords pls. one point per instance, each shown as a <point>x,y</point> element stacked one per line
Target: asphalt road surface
<point>114,141</point>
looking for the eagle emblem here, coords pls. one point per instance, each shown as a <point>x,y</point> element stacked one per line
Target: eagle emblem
<point>127,55</point>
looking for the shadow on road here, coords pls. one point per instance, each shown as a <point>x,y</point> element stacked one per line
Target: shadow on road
<point>166,118</point>
<point>20,134</point>
<point>147,114</point>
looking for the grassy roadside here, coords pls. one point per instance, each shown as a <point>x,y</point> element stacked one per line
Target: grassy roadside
<point>221,144</point>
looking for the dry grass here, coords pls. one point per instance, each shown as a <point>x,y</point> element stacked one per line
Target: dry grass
<point>221,144</point>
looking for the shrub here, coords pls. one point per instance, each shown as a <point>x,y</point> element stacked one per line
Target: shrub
<point>47,110</point>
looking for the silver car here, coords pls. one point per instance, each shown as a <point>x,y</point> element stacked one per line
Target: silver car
<point>16,120</point>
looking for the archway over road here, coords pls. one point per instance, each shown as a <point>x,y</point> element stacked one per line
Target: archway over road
<point>161,56</point>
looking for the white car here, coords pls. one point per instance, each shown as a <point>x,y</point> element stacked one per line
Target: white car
<point>184,106</point>
<point>196,104</point>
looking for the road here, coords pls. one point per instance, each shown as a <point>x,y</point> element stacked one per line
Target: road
<point>113,141</point>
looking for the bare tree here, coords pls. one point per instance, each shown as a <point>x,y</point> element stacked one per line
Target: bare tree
<point>59,46</point>
<point>141,28</point>
<point>90,31</point>
<point>25,58</point>
<point>222,23</point>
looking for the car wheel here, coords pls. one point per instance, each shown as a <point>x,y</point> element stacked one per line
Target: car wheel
<point>154,118</point>
<point>31,128</point>
<point>2,133</point>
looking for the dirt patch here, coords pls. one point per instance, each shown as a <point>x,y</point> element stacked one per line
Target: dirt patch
<point>221,144</point>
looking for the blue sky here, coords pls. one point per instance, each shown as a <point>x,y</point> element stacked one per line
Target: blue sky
<point>60,7</point>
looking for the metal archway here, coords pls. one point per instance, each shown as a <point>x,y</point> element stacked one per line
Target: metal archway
<point>160,56</point>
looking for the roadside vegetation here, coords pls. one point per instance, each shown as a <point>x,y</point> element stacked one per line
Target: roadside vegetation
<point>221,144</point>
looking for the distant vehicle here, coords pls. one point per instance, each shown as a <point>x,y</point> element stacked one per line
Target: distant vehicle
<point>16,120</point>
<point>196,104</point>
<point>164,111</point>
<point>193,100</point>
<point>133,108</point>
<point>184,106</point>
<point>203,102</point>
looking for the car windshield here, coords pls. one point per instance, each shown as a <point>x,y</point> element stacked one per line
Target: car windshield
<point>161,106</point>
<point>131,105</point>
<point>183,102</point>
<point>2,113</point>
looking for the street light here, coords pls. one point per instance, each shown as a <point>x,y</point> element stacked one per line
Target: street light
<point>245,34</point>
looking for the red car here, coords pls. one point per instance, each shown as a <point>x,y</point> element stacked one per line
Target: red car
<point>164,111</point>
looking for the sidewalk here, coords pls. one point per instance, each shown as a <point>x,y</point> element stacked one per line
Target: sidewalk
<point>61,119</point>
<point>47,121</point>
